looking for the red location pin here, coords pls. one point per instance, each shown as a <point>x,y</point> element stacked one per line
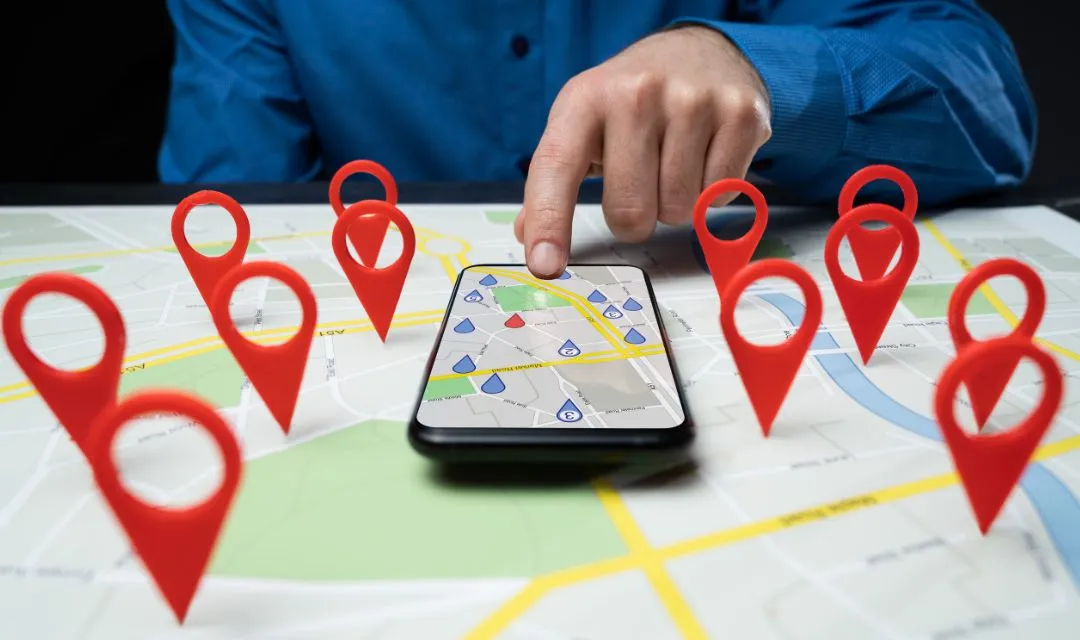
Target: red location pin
<point>868,304</point>
<point>175,545</point>
<point>74,397</point>
<point>378,289</point>
<point>986,385</point>
<point>206,271</point>
<point>767,371</point>
<point>990,465</point>
<point>726,257</point>
<point>275,371</point>
<point>874,248</point>
<point>366,235</point>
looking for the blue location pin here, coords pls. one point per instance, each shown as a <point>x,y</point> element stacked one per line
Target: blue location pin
<point>494,384</point>
<point>473,296</point>
<point>465,326</point>
<point>488,280</point>
<point>568,412</point>
<point>569,349</point>
<point>596,296</point>
<point>633,337</point>
<point>612,313</point>
<point>465,365</point>
<point>631,305</point>
<point>565,275</point>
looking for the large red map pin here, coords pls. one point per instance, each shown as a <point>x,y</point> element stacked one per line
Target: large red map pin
<point>367,234</point>
<point>986,385</point>
<point>276,371</point>
<point>175,545</point>
<point>378,289</point>
<point>726,257</point>
<point>205,270</point>
<point>990,465</point>
<point>874,248</point>
<point>767,371</point>
<point>74,397</point>
<point>868,304</point>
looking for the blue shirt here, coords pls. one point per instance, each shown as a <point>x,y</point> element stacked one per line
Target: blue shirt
<point>446,90</point>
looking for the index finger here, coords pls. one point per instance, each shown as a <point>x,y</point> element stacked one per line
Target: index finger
<point>570,144</point>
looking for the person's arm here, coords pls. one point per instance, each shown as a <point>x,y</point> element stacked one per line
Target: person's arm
<point>933,87</point>
<point>235,112</point>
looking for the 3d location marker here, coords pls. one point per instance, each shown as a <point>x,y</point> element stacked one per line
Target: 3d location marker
<point>379,289</point>
<point>987,385</point>
<point>768,371</point>
<point>726,257</point>
<point>276,371</point>
<point>874,249</point>
<point>74,397</point>
<point>515,321</point>
<point>207,271</point>
<point>569,349</point>
<point>367,234</point>
<point>568,412</point>
<point>175,545</point>
<point>990,465</point>
<point>868,304</point>
<point>465,326</point>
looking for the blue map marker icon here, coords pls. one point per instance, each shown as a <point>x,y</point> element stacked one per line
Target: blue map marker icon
<point>568,412</point>
<point>465,365</point>
<point>465,326</point>
<point>596,296</point>
<point>565,275</point>
<point>633,337</point>
<point>569,349</point>
<point>488,280</point>
<point>494,384</point>
<point>612,313</point>
<point>473,296</point>
<point>631,305</point>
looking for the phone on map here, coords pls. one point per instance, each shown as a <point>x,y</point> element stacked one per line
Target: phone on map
<point>575,369</point>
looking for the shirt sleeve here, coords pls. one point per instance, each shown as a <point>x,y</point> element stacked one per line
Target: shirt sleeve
<point>235,112</point>
<point>932,87</point>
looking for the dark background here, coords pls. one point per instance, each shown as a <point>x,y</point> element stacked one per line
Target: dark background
<point>84,99</point>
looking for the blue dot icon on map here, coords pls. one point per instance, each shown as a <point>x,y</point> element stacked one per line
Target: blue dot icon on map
<point>473,296</point>
<point>465,326</point>
<point>565,275</point>
<point>568,412</point>
<point>465,365</point>
<point>596,296</point>
<point>631,305</point>
<point>633,337</point>
<point>569,349</point>
<point>488,280</point>
<point>612,313</point>
<point>494,384</point>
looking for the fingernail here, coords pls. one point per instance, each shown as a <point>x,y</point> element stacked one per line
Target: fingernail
<point>547,259</point>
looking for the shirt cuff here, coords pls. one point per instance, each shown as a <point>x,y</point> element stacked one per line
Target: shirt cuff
<point>806,91</point>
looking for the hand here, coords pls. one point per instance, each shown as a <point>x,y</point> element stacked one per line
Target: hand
<point>660,121</point>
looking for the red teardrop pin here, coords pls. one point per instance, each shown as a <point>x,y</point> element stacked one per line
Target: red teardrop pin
<point>874,248</point>
<point>367,234</point>
<point>768,371</point>
<point>726,257</point>
<point>868,304</point>
<point>276,371</point>
<point>379,289</point>
<point>990,465</point>
<point>175,545</point>
<point>986,386</point>
<point>75,397</point>
<point>207,271</point>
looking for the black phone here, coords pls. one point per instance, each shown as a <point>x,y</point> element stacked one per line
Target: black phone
<point>574,369</point>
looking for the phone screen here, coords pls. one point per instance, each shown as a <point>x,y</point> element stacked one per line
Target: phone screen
<point>581,351</point>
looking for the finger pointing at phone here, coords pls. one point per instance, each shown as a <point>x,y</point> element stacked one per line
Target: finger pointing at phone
<point>669,115</point>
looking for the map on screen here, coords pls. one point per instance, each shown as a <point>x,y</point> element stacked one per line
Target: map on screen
<point>581,351</point>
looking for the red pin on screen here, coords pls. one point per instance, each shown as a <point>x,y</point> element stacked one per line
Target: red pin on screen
<point>379,289</point>
<point>767,371</point>
<point>205,270</point>
<point>74,397</point>
<point>726,257</point>
<point>368,233</point>
<point>868,304</point>
<point>175,545</point>
<point>986,385</point>
<point>874,248</point>
<point>990,465</point>
<point>276,371</point>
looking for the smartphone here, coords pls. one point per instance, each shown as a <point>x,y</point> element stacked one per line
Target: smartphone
<point>574,369</point>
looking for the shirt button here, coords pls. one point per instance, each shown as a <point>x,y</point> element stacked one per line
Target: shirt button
<point>520,46</point>
<point>523,165</point>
